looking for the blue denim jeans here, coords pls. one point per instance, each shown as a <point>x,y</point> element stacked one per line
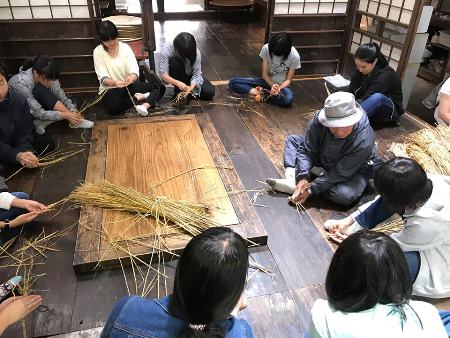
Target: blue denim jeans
<point>243,85</point>
<point>380,108</point>
<point>10,214</point>
<point>445,316</point>
<point>376,213</point>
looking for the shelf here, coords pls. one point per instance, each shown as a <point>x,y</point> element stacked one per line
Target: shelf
<point>439,23</point>
<point>438,45</point>
<point>429,74</point>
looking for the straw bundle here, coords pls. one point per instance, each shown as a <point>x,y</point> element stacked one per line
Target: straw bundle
<point>190,217</point>
<point>182,97</point>
<point>129,27</point>
<point>53,157</point>
<point>430,147</point>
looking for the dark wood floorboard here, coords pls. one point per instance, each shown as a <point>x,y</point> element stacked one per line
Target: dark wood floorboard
<point>300,252</point>
<point>274,316</point>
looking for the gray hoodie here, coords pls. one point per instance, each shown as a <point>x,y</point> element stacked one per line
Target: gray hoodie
<point>341,158</point>
<point>23,83</point>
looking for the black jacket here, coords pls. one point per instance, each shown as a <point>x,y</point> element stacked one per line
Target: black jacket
<point>16,127</point>
<point>382,80</point>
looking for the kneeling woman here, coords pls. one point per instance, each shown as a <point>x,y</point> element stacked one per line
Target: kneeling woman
<point>376,86</point>
<point>280,60</point>
<point>38,82</point>
<point>181,66</point>
<point>422,201</point>
<point>118,71</point>
<point>369,294</point>
<point>208,292</point>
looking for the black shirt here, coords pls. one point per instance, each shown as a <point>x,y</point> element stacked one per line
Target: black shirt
<point>382,80</point>
<point>16,127</point>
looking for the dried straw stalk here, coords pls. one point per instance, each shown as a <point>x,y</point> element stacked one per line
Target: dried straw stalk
<point>52,158</point>
<point>388,228</point>
<point>430,147</point>
<point>190,217</point>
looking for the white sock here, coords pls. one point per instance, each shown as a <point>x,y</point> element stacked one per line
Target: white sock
<point>142,110</point>
<point>286,185</point>
<point>84,124</point>
<point>40,125</point>
<point>145,95</point>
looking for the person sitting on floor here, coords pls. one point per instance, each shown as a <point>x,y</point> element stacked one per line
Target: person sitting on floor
<point>181,66</point>
<point>422,200</point>
<point>14,309</point>
<point>38,82</point>
<point>376,86</point>
<point>208,292</point>
<point>442,112</point>
<point>337,149</point>
<point>17,142</point>
<point>118,72</point>
<point>369,294</point>
<point>280,60</point>
<point>16,209</point>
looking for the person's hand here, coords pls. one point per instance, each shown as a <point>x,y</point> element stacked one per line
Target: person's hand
<point>275,90</point>
<point>23,219</point>
<point>130,79</point>
<point>338,237</point>
<point>301,193</point>
<point>121,84</point>
<point>341,225</point>
<point>182,86</point>
<point>28,205</point>
<point>74,118</point>
<point>27,159</point>
<point>16,308</point>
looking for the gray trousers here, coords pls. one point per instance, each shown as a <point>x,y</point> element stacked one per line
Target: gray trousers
<point>344,193</point>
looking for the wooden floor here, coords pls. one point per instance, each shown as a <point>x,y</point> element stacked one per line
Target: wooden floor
<point>296,253</point>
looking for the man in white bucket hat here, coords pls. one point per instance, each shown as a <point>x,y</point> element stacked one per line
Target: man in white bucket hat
<point>331,159</point>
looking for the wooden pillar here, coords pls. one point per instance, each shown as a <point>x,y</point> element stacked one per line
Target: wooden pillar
<point>148,26</point>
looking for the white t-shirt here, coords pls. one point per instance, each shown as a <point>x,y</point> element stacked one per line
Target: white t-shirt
<point>445,90</point>
<point>382,321</point>
<point>279,68</point>
<point>114,68</point>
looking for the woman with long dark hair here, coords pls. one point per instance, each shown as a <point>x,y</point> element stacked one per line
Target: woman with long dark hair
<point>376,86</point>
<point>181,66</point>
<point>208,292</point>
<point>369,294</point>
<point>422,200</point>
<point>37,81</point>
<point>279,62</point>
<point>118,72</point>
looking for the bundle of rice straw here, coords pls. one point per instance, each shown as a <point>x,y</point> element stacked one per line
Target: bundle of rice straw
<point>192,218</point>
<point>430,147</point>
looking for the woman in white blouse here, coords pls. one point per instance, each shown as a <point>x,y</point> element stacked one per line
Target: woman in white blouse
<point>117,69</point>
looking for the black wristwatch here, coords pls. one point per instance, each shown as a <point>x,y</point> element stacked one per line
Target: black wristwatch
<point>6,221</point>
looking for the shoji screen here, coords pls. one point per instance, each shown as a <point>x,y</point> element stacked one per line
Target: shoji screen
<point>387,22</point>
<point>43,9</point>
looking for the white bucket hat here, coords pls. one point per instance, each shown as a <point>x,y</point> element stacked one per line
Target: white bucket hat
<point>340,110</point>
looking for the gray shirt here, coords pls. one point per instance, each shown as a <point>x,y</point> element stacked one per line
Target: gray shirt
<point>23,83</point>
<point>195,70</point>
<point>279,68</point>
<point>341,158</point>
